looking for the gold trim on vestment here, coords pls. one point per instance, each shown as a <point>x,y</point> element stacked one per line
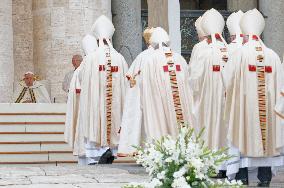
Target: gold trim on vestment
<point>261,90</point>
<point>22,94</point>
<point>108,95</point>
<point>175,89</point>
<point>32,94</point>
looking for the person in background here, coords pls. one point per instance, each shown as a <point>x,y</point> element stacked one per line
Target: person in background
<point>31,91</point>
<point>76,61</point>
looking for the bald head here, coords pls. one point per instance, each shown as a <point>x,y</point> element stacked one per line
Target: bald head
<point>76,60</point>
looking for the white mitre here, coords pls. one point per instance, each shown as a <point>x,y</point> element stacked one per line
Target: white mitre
<point>212,22</point>
<point>233,24</point>
<point>213,25</point>
<point>103,29</point>
<point>198,28</point>
<point>252,23</point>
<point>89,44</point>
<point>159,36</point>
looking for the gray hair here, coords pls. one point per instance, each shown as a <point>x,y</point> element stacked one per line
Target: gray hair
<point>77,57</point>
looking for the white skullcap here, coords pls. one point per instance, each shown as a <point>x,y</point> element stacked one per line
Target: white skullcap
<point>252,23</point>
<point>212,22</point>
<point>89,44</point>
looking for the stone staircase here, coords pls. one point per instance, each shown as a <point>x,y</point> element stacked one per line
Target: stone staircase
<point>33,134</point>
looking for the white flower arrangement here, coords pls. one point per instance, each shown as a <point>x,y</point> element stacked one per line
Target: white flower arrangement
<point>184,162</point>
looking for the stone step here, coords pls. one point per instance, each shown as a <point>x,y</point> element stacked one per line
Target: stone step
<point>33,146</point>
<point>32,118</point>
<point>32,127</point>
<point>28,108</point>
<point>33,157</point>
<point>31,136</point>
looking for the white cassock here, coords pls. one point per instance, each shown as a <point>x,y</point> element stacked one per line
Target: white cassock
<point>206,82</point>
<point>164,99</point>
<point>279,108</point>
<point>34,94</point>
<point>256,75</point>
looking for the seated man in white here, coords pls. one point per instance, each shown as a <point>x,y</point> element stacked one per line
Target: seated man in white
<point>31,91</point>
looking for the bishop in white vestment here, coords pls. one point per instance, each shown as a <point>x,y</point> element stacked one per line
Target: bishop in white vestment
<point>31,91</point>
<point>207,82</point>
<point>164,100</point>
<point>103,92</point>
<point>254,86</point>
<point>73,130</point>
<point>236,36</point>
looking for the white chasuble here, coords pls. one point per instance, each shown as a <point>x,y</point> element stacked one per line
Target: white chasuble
<point>206,80</point>
<point>102,96</point>
<point>164,100</point>
<point>256,75</point>
<point>33,94</point>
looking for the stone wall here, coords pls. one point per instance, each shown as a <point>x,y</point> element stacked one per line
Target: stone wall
<point>22,37</point>
<point>59,26</point>
<point>6,51</point>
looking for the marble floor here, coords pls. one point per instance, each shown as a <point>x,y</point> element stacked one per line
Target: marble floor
<point>73,176</point>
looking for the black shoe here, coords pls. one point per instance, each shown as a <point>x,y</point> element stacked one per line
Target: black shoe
<point>110,160</point>
<point>106,157</point>
<point>93,163</point>
<point>263,184</point>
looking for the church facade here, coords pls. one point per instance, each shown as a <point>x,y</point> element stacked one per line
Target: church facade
<point>42,35</point>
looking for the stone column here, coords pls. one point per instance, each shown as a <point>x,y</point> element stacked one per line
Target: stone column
<point>23,37</point>
<point>6,52</point>
<point>128,28</point>
<point>273,34</point>
<point>59,27</point>
<point>244,5</point>
<point>158,14</point>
